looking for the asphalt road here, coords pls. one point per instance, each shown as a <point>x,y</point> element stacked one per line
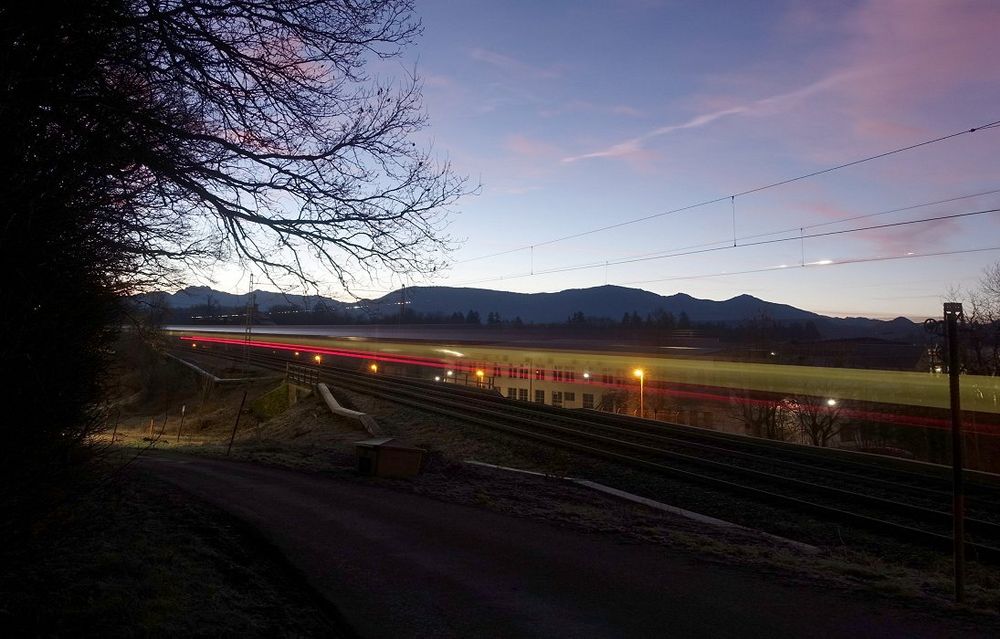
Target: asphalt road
<point>402,565</point>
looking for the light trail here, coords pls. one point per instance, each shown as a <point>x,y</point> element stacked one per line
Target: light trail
<point>692,378</point>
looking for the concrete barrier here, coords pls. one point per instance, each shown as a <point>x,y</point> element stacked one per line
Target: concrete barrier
<point>367,421</point>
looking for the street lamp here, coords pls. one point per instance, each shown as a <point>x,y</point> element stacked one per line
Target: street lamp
<point>317,359</point>
<point>480,374</point>
<point>374,368</point>
<point>831,403</point>
<point>641,374</point>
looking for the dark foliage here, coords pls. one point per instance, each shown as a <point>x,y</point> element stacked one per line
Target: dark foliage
<point>143,138</point>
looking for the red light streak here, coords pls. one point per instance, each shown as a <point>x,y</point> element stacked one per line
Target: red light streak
<point>856,413</point>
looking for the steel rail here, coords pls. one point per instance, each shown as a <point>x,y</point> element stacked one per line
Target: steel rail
<point>500,420</point>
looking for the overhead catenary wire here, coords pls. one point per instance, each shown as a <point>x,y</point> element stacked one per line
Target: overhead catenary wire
<point>714,246</point>
<point>824,264</point>
<point>733,196</point>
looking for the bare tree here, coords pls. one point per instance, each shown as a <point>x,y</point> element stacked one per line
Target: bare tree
<point>255,132</point>
<point>982,324</point>
<point>768,418</point>
<point>818,419</point>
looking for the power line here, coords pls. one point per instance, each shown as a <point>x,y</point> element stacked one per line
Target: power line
<point>697,250</point>
<point>784,267</point>
<point>800,229</point>
<point>732,196</point>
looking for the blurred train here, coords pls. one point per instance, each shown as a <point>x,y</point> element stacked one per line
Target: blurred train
<point>679,383</point>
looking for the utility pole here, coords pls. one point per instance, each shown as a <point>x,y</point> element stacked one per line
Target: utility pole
<point>952,314</point>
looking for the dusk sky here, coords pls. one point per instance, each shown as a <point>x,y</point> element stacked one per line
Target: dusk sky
<point>580,115</point>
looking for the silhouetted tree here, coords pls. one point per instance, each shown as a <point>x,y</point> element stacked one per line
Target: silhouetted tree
<point>980,336</point>
<point>143,138</point>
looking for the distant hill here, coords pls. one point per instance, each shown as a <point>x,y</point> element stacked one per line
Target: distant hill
<point>610,302</point>
<point>266,300</point>
<point>601,301</point>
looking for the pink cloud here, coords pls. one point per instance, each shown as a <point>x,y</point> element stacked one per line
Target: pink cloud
<point>906,57</point>
<point>896,63</point>
<point>512,65</point>
<point>915,238</point>
<point>529,147</point>
<point>436,81</point>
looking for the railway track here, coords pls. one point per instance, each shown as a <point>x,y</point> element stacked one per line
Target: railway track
<point>907,500</point>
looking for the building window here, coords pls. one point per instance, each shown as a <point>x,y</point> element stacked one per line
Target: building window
<point>512,393</point>
<point>588,400</point>
<point>539,396</point>
<point>557,399</point>
<point>522,394</point>
<point>569,397</point>
<point>496,370</point>
<point>540,374</point>
<point>510,371</point>
<point>570,376</point>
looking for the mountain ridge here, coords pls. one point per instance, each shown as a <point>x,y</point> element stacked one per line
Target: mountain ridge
<point>607,301</point>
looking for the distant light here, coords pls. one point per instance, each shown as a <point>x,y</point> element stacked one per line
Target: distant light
<point>193,345</point>
<point>296,353</point>
<point>831,402</point>
<point>824,262</point>
<point>586,375</point>
<point>480,373</point>
<point>938,369</point>
<point>317,358</point>
<point>437,378</point>
<point>773,353</point>
<point>374,368</point>
<point>450,373</point>
<point>639,373</point>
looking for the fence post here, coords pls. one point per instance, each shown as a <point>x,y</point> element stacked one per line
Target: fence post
<point>236,425</point>
<point>181,425</point>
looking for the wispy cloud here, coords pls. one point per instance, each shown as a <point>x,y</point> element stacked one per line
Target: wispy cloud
<point>764,106</point>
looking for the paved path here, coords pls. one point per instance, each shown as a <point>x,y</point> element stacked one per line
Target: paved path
<point>402,565</point>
